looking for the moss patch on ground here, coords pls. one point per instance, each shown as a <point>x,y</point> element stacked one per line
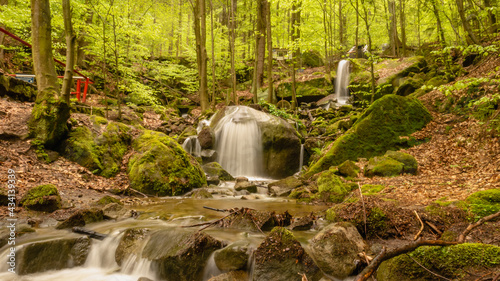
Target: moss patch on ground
<point>42,198</point>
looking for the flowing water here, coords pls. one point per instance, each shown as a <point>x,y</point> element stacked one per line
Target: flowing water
<point>239,142</point>
<point>342,82</point>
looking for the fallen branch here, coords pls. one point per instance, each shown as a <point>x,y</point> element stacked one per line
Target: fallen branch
<point>421,228</point>
<point>466,232</point>
<point>422,266</point>
<point>138,192</point>
<point>431,225</point>
<point>90,233</point>
<point>385,255</point>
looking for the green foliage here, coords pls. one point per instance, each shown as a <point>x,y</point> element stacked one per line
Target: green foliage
<point>273,110</point>
<point>484,203</point>
<point>469,84</point>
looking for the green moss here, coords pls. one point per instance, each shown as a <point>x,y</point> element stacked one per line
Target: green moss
<point>450,262</point>
<point>376,219</point>
<point>348,169</point>
<point>81,148</point>
<point>377,130</point>
<point>108,199</point>
<point>484,203</point>
<point>162,167</point>
<point>215,169</point>
<point>98,120</point>
<point>331,215</point>
<point>409,162</point>
<point>331,188</point>
<point>384,167</point>
<point>38,199</point>
<point>285,235</point>
<point>371,189</point>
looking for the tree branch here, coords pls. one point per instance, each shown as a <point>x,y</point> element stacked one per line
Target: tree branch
<point>466,232</point>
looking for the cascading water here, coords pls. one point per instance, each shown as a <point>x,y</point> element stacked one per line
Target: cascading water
<point>342,82</point>
<point>301,161</point>
<point>192,146</point>
<point>239,143</point>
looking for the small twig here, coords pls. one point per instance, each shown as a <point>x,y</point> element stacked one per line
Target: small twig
<point>421,223</point>
<point>364,209</point>
<point>433,273</point>
<point>497,277</point>
<point>431,225</point>
<point>466,232</point>
<point>215,209</point>
<point>304,276</point>
<point>138,192</point>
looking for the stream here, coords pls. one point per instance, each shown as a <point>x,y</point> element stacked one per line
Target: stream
<point>165,213</point>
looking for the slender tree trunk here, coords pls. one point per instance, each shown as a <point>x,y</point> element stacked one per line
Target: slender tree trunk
<point>438,22</point>
<point>403,24</point>
<point>418,23</point>
<point>341,27</point>
<point>270,87</point>
<point>201,51</point>
<point>465,22</point>
<point>232,39</point>
<point>296,6</point>
<point>179,30</point>
<point>491,16</point>
<point>260,48</point>
<point>51,111</point>
<point>393,29</point>
<point>70,51</point>
<point>117,72</point>
<point>213,52</point>
<point>2,36</point>
<point>357,28</point>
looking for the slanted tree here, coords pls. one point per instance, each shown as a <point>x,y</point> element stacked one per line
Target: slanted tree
<point>48,121</point>
<point>465,23</point>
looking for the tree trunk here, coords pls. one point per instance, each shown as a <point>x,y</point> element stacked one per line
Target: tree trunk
<point>357,28</point>
<point>232,39</point>
<point>179,31</point>
<point>200,31</point>
<point>491,17</point>
<point>270,87</point>
<point>51,112</point>
<point>213,51</point>
<point>465,23</point>
<point>70,51</point>
<point>394,39</point>
<point>2,36</point>
<point>402,24</point>
<point>260,48</point>
<point>296,6</point>
<point>438,22</point>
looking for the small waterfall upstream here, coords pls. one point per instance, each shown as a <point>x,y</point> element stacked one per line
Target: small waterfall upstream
<point>301,160</point>
<point>342,82</point>
<point>239,143</point>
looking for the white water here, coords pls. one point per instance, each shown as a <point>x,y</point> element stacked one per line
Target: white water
<point>192,146</point>
<point>239,143</point>
<point>342,82</point>
<point>301,161</point>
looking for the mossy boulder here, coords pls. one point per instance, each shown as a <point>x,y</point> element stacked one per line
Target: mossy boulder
<point>239,275</point>
<point>99,148</point>
<point>201,193</point>
<point>410,164</point>
<point>285,186</point>
<point>383,167</point>
<point>348,169</point>
<point>131,243</point>
<point>452,262</point>
<point>180,255</point>
<point>371,189</point>
<point>17,89</point>
<point>107,200</point>
<point>376,131</point>
<point>331,187</point>
<point>82,217</point>
<point>409,86</point>
<point>233,257</point>
<point>335,249</point>
<point>43,198</point>
<point>215,169</point>
<point>52,255</point>
<point>484,203</point>
<point>307,91</point>
<point>161,167</point>
<point>280,257</point>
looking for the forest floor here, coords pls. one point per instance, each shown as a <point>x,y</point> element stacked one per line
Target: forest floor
<point>460,158</point>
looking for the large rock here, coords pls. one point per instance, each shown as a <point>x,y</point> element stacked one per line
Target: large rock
<point>331,188</point>
<point>285,186</point>
<point>206,138</point>
<point>239,275</point>
<point>42,198</point>
<point>99,147</point>
<point>280,257</point>
<point>161,167</point>
<point>82,217</point>
<point>280,142</point>
<point>52,255</point>
<point>233,257</point>
<point>131,243</point>
<point>379,129</point>
<point>393,163</point>
<point>452,262</point>
<point>180,255</point>
<point>214,169</point>
<point>335,249</point>
<point>17,89</point>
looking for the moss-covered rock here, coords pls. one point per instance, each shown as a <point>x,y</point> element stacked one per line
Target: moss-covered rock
<point>452,262</point>
<point>310,90</point>
<point>331,187</point>
<point>42,198</point>
<point>285,186</point>
<point>410,164</point>
<point>162,167</point>
<point>348,169</point>
<point>82,217</point>
<point>233,257</point>
<point>131,243</point>
<point>17,89</point>
<point>371,189</point>
<point>335,249</point>
<point>383,167</point>
<point>214,169</point>
<point>201,193</point>
<point>409,86</point>
<point>377,130</point>
<point>108,199</point>
<point>484,203</point>
<point>239,275</point>
<point>280,257</point>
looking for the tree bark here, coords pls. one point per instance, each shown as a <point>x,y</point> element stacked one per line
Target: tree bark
<point>213,51</point>
<point>270,87</point>
<point>296,7</point>
<point>2,36</point>
<point>260,48</point>
<point>51,112</point>
<point>394,39</point>
<point>200,31</point>
<point>232,39</point>
<point>70,50</point>
<point>402,24</point>
<point>465,23</point>
<point>438,22</point>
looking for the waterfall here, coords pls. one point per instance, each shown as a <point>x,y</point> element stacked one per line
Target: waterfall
<point>301,161</point>
<point>239,143</point>
<point>192,146</point>
<point>342,82</point>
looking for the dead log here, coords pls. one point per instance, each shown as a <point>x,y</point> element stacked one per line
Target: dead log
<point>386,255</point>
<point>89,233</point>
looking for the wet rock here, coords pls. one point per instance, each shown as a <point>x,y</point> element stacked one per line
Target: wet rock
<point>180,255</point>
<point>116,211</point>
<point>206,137</point>
<point>21,230</point>
<point>213,180</point>
<point>108,199</point>
<point>214,169</point>
<point>231,276</point>
<point>284,187</point>
<point>131,243</point>
<point>144,279</point>
<point>302,223</point>
<point>208,155</point>
<point>280,257</point>
<point>53,255</point>
<point>162,167</point>
<point>17,89</point>
<point>255,220</point>
<point>335,249</point>
<point>82,217</point>
<point>233,257</point>
<point>377,130</point>
<point>246,185</point>
<point>348,169</point>
<point>42,198</point>
<point>201,193</point>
